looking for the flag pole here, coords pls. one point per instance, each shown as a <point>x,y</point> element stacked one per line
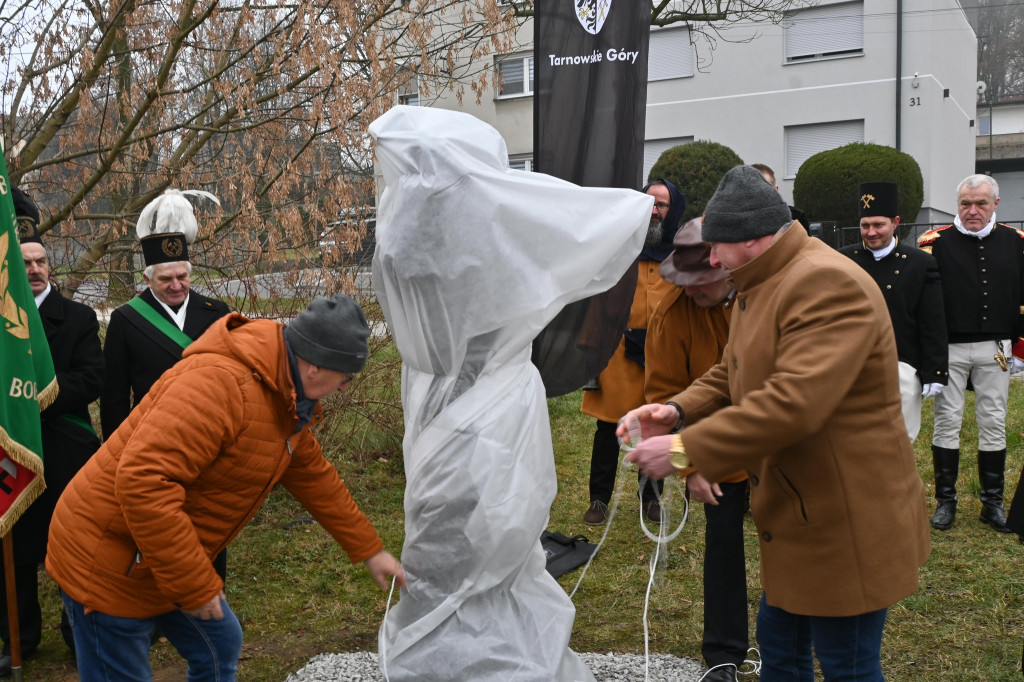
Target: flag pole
<point>12,607</point>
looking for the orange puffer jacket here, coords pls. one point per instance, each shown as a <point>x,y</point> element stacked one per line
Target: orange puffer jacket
<point>134,532</point>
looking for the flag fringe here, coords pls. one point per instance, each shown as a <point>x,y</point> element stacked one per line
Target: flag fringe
<point>28,459</point>
<point>48,395</point>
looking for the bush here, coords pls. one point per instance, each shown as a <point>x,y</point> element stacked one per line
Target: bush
<point>696,169</point>
<point>826,184</point>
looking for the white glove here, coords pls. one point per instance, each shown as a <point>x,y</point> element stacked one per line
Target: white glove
<point>932,390</point>
<point>1017,366</point>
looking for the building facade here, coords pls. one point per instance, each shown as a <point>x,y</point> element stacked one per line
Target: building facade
<point>900,73</point>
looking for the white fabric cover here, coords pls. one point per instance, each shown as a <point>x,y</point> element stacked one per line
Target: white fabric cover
<point>472,260</point>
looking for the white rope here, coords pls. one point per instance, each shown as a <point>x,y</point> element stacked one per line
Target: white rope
<point>384,640</point>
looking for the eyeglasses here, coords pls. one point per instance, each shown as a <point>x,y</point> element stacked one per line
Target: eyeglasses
<point>662,205</point>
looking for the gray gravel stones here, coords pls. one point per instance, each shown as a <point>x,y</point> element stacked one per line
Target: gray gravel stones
<point>362,667</point>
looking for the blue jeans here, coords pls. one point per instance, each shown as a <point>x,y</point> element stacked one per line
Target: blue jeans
<point>112,649</point>
<point>848,649</point>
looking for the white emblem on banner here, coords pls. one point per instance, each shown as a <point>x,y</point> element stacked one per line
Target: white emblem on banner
<point>592,13</point>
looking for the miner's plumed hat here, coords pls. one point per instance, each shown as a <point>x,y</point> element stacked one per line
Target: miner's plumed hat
<point>878,199</point>
<point>167,225</point>
<point>27,214</point>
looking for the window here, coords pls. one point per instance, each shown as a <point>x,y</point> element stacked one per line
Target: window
<point>804,141</point>
<point>671,55</point>
<point>825,31</point>
<point>653,149</point>
<point>516,76</point>
<point>523,163</point>
<point>984,125</point>
<point>409,91</point>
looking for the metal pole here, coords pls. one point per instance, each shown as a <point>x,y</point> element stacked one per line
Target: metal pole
<point>899,71</point>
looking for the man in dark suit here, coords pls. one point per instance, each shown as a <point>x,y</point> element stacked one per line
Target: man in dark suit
<point>146,336</point>
<point>909,280</point>
<point>68,437</point>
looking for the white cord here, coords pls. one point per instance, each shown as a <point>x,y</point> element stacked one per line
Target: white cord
<point>383,640</point>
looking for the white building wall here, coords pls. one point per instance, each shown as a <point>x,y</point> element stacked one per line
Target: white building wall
<point>744,95</point>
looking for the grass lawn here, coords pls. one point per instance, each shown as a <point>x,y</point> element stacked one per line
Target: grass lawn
<point>297,595</point>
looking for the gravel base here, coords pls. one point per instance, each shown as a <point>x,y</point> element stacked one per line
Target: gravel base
<point>362,667</point>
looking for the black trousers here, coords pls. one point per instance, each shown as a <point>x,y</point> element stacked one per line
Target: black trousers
<point>604,463</point>
<point>725,578</point>
<point>30,615</point>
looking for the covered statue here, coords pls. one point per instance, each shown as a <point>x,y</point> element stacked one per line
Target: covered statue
<point>472,260</point>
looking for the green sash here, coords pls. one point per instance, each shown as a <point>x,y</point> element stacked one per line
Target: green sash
<point>162,324</point>
<point>78,421</point>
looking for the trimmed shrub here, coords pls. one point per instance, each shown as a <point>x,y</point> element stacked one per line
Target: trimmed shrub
<point>826,184</point>
<point>696,169</point>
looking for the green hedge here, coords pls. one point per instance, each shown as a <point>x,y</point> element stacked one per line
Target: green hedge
<point>826,184</point>
<point>696,169</point>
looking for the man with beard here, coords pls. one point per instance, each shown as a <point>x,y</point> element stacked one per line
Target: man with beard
<point>69,440</point>
<point>620,387</point>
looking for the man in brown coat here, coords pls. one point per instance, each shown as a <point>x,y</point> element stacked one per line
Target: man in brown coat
<point>685,338</point>
<point>806,399</point>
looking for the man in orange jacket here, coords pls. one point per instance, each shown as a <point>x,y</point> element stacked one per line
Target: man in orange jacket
<point>132,537</point>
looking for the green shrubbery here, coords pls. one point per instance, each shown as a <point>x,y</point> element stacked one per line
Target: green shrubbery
<point>696,169</point>
<point>826,184</point>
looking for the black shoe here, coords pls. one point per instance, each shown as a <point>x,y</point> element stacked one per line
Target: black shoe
<point>944,515</point>
<point>994,516</point>
<point>596,514</point>
<point>723,673</point>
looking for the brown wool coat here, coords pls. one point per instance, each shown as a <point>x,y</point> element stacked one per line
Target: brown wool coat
<point>622,381</point>
<point>806,399</point>
<point>684,341</point>
<point>134,533</point>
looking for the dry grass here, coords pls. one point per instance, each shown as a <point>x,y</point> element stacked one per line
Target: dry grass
<point>297,595</point>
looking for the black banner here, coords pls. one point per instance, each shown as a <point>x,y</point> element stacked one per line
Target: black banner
<point>590,100</point>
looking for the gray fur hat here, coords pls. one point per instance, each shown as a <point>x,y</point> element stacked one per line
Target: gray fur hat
<point>743,207</point>
<point>331,333</point>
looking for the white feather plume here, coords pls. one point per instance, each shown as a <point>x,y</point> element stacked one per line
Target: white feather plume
<point>171,212</point>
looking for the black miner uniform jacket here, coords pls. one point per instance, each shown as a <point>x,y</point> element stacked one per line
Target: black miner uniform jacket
<point>137,355</point>
<point>984,281</point>
<point>909,279</point>
<point>72,332</point>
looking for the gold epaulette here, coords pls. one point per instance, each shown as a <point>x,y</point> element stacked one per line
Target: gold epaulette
<point>926,240</point>
<point>1020,232</point>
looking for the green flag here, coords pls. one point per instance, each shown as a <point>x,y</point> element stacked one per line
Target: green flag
<point>27,380</point>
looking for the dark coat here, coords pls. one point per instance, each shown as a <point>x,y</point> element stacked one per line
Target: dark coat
<point>135,360</point>
<point>72,333</point>
<point>909,280</point>
<point>984,281</point>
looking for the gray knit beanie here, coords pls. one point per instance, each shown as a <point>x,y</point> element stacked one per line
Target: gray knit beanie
<point>331,333</point>
<point>743,207</point>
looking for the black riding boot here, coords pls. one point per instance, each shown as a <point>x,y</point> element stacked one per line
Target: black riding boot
<point>947,464</point>
<point>991,468</point>
<point>1015,517</point>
